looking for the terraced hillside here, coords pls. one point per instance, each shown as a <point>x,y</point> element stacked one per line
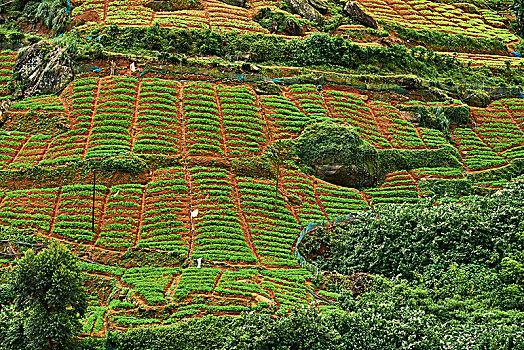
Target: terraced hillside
<point>156,170</point>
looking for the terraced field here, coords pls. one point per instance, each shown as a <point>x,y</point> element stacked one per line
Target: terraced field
<point>211,214</point>
<point>193,233</point>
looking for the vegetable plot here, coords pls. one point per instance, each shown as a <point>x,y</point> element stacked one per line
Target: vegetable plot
<point>432,138</point>
<point>495,126</point>
<point>476,154</point>
<point>284,118</point>
<point>203,128</point>
<point>150,282</point>
<point>158,122</point>
<point>121,218</point>
<point>338,201</point>
<point>10,144</point>
<point>184,19</point>
<point>352,111</point>
<point>400,132</point>
<point>287,286</point>
<point>301,195</point>
<point>225,18</point>
<point>429,15</point>
<point>31,153</point>
<point>244,128</point>
<point>74,213</point>
<point>7,62</point>
<point>29,208</point>
<point>309,101</point>
<point>218,232</point>
<point>398,187</point>
<point>37,115</point>
<point>112,120</point>
<point>273,229</point>
<point>165,224</point>
<point>196,281</point>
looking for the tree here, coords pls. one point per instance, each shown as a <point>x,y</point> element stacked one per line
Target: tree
<point>49,300</point>
<point>517,8</point>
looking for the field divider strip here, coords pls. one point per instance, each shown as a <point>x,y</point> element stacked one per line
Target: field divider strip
<point>55,211</point>
<point>513,119</point>
<point>221,116</point>
<point>133,131</point>
<point>140,216</point>
<point>102,216</point>
<point>92,122</point>
<point>17,152</point>
<point>188,173</point>
<point>262,112</point>
<point>243,220</point>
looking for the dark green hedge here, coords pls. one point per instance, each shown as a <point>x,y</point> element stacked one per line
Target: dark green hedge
<point>315,50</point>
<point>452,42</point>
<point>392,160</point>
<point>377,326</point>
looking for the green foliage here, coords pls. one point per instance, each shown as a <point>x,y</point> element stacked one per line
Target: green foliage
<point>327,143</point>
<point>446,187</point>
<point>314,50</point>
<point>406,240</point>
<point>49,301</point>
<point>451,42</point>
<point>52,13</point>
<point>514,169</point>
<point>392,160</point>
<point>517,9</point>
<point>269,18</point>
<point>371,322</point>
<point>452,264</point>
<point>441,116</point>
<point>126,162</point>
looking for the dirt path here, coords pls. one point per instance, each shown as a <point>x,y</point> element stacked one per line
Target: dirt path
<point>133,131</point>
<point>243,220</point>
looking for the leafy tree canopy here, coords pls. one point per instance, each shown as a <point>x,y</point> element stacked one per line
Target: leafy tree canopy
<point>49,300</point>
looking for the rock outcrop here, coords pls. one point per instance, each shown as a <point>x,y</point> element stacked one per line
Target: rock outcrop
<point>336,153</point>
<point>320,5</point>
<point>347,175</point>
<point>237,3</point>
<point>278,22</point>
<point>160,6</point>
<point>42,69</point>
<point>353,11</point>
<point>304,9</point>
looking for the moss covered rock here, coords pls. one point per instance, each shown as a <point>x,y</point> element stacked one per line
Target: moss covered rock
<point>337,154</point>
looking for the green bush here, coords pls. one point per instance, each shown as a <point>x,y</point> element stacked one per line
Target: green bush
<point>405,240</point>
<point>392,160</point>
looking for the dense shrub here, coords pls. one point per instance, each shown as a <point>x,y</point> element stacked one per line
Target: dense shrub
<point>406,240</point>
<point>314,50</point>
<point>392,160</point>
<point>373,325</point>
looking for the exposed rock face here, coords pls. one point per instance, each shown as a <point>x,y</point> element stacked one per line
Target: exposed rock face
<point>304,9</point>
<point>292,28</point>
<point>267,88</point>
<point>280,22</point>
<point>337,154</point>
<point>160,6</point>
<point>353,11</point>
<point>347,175</point>
<point>320,5</point>
<point>42,69</point>
<point>237,3</point>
